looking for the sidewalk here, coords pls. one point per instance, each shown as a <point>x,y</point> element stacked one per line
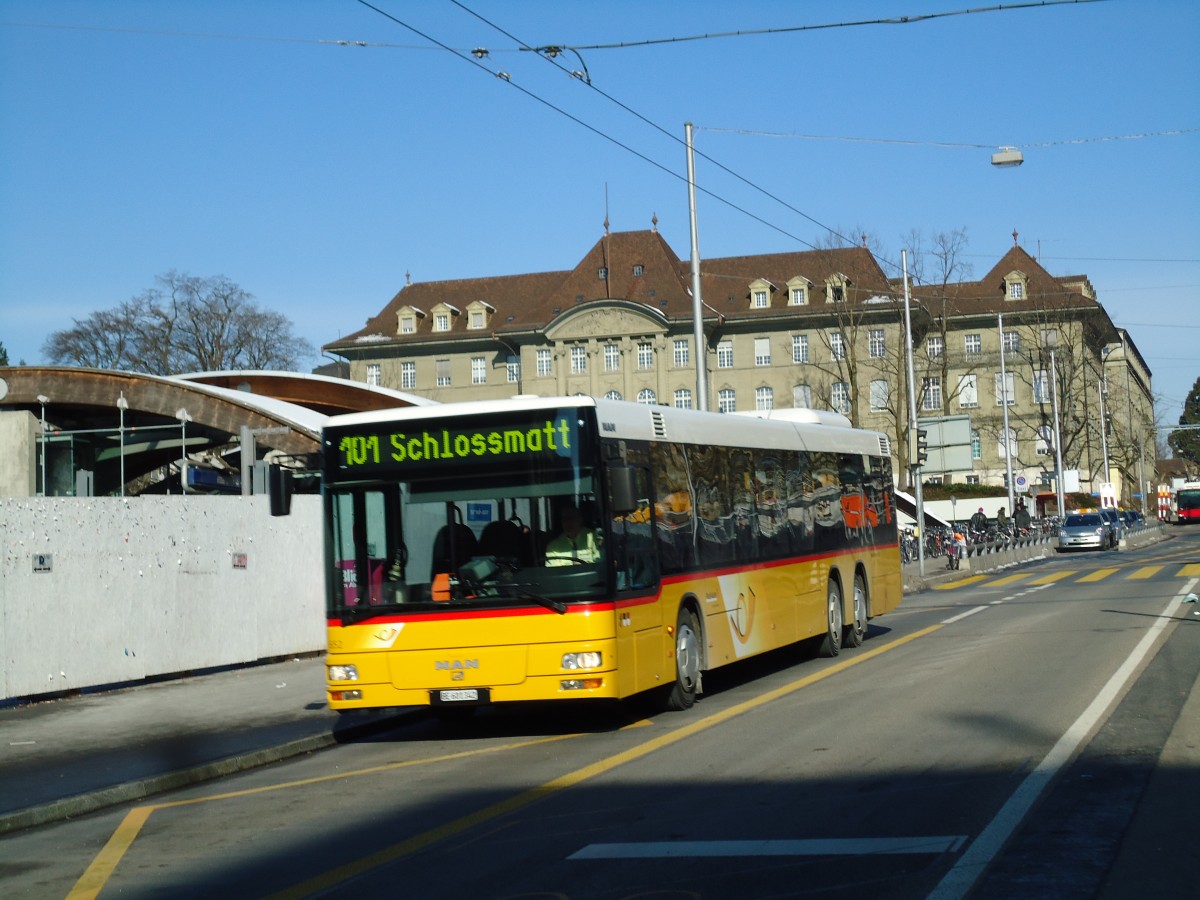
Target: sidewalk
<point>63,758</point>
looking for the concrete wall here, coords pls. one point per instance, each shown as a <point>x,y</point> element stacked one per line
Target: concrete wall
<point>105,590</point>
<point>18,459</point>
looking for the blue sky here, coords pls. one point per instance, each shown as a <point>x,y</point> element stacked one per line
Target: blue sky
<point>241,139</point>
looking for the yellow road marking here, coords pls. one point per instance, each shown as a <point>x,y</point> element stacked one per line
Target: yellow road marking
<point>970,579</point>
<point>93,880</point>
<point>1146,572</point>
<point>1189,570</point>
<point>554,786</point>
<point>1098,575</point>
<point>1008,579</point>
<point>1054,577</point>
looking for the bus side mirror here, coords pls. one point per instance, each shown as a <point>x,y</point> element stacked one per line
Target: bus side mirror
<point>623,490</point>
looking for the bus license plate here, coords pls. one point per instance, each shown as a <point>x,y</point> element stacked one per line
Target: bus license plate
<point>468,695</point>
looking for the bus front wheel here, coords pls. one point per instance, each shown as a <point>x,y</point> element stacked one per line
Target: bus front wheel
<point>831,642</point>
<point>687,661</point>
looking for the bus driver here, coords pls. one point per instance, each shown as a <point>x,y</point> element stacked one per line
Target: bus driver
<point>576,544</point>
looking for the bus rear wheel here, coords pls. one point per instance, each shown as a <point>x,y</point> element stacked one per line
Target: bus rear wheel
<point>687,661</point>
<point>856,629</point>
<point>831,642</point>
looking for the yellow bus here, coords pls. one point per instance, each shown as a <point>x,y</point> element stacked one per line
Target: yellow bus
<point>537,549</point>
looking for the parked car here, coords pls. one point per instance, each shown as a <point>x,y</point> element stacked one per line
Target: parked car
<point>1082,531</point>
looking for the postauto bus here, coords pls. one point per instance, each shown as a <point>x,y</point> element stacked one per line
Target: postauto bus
<point>701,539</point>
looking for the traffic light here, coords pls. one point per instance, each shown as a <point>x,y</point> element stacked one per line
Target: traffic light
<point>918,446</point>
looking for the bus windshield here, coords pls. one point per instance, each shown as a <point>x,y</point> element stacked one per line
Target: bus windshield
<point>522,526</point>
<point>1188,499</point>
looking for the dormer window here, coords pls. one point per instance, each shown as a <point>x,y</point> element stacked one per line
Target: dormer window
<point>407,320</point>
<point>479,314</point>
<point>602,273</point>
<point>443,316</point>
<point>760,293</point>
<point>797,289</point>
<point>638,271</point>
<point>835,288</point>
<point>1015,286</point>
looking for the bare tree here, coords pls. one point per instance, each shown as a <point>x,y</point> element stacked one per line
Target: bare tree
<point>183,324</point>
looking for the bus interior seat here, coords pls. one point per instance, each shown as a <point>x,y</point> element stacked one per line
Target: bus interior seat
<point>465,546</point>
<point>504,538</point>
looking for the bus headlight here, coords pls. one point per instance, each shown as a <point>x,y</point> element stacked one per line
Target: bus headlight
<point>343,673</point>
<point>590,659</point>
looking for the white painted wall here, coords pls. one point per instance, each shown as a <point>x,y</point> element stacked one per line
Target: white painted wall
<point>146,586</point>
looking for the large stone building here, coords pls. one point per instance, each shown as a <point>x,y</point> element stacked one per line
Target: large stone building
<point>820,328</point>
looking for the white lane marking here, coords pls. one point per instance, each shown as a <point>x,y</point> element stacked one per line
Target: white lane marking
<point>962,875</point>
<point>813,847</point>
<point>963,615</point>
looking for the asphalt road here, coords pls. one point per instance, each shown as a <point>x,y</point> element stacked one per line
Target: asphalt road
<point>1029,733</point>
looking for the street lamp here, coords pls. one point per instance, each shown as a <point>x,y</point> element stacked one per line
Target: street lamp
<point>122,405</point>
<point>1050,341</point>
<point>43,399</point>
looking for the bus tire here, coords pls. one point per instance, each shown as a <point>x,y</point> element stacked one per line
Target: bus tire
<point>855,631</point>
<point>687,661</point>
<point>831,641</point>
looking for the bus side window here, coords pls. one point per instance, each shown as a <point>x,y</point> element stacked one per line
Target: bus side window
<point>634,559</point>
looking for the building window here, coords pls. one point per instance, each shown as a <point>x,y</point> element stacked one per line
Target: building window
<point>802,396</point>
<point>797,297</point>
<point>645,353</point>
<point>839,397</point>
<point>876,343</point>
<point>1016,290</point>
<point>762,351</point>
<point>476,319</point>
<point>1006,394</point>
<point>972,345</point>
<point>880,394</point>
<point>408,376</point>
<point>612,358</point>
<point>759,299</point>
<point>1012,342</point>
<point>374,374</point>
<point>935,345</point>
<point>799,348</point>
<point>408,324</point>
<point>968,391</point>
<point>764,398</point>
<point>682,356</point>
<point>725,355</point>
<point>638,271</point>
<point>1041,386</point>
<point>972,479</point>
<point>513,365</point>
<point>931,393</point>
<point>1012,444</point>
<point>976,444</point>
<point>478,370</point>
<point>578,359</point>
<point>545,364</point>
<point>683,399</point>
<point>441,322</point>
<point>602,273</point>
<point>442,369</point>
<point>1044,444</point>
<point>647,397</point>
<point>613,395</point>
<point>837,345</point>
<point>726,400</point>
